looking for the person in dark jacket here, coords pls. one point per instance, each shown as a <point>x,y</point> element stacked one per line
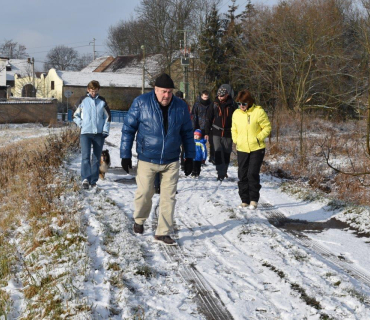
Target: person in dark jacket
<point>161,123</point>
<point>93,117</point>
<point>199,118</point>
<point>180,95</point>
<point>219,119</point>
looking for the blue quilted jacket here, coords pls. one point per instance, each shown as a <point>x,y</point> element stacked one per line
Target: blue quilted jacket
<point>200,149</point>
<point>145,119</point>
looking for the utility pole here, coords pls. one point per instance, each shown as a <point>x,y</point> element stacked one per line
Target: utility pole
<point>93,42</point>
<point>33,77</point>
<point>143,85</point>
<point>185,63</point>
<point>32,62</point>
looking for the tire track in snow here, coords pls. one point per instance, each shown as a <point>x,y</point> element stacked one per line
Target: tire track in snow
<point>275,217</point>
<point>278,215</point>
<point>101,293</point>
<point>217,254</point>
<point>210,304</point>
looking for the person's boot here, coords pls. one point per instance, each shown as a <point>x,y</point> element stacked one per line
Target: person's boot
<point>243,205</point>
<point>138,228</point>
<point>85,184</point>
<point>253,205</point>
<point>167,240</point>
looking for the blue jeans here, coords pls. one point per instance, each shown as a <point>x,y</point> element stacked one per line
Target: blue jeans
<point>90,168</point>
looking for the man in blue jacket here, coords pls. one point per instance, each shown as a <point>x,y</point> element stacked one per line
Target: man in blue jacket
<point>93,117</point>
<point>161,123</point>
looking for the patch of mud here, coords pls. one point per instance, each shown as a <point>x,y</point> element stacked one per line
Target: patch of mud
<point>110,144</point>
<point>120,171</point>
<point>296,225</point>
<point>126,181</point>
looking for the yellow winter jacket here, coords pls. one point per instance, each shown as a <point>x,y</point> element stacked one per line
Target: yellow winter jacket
<point>250,128</point>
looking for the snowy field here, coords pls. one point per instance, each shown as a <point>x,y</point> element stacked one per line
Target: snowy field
<point>229,263</point>
<point>11,133</point>
<point>256,270</point>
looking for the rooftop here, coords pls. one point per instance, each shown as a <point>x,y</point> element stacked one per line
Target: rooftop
<point>106,79</point>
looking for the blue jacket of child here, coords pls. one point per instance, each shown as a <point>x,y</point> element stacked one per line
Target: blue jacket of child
<point>200,150</point>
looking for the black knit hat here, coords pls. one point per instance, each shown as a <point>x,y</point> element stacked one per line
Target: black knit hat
<point>179,94</point>
<point>164,81</point>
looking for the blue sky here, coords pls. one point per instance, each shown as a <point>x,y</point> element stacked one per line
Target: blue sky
<point>41,26</point>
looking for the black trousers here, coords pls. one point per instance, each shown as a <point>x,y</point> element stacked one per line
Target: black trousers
<point>197,165</point>
<point>249,175</point>
<point>182,159</point>
<point>211,148</point>
<point>223,147</point>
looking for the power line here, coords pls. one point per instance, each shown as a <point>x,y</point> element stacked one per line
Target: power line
<point>56,45</point>
<point>70,47</point>
<point>227,1</point>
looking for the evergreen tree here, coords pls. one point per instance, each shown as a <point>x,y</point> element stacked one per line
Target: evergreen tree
<point>211,51</point>
<point>248,13</point>
<point>232,27</point>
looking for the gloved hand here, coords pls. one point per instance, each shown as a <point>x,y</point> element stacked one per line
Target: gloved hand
<point>126,164</point>
<point>188,166</point>
<point>203,161</point>
<point>104,134</point>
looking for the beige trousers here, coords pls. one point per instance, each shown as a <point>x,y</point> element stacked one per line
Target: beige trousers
<point>146,172</point>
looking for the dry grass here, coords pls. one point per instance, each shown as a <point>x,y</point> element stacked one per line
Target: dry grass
<point>31,189</point>
<point>28,179</point>
<point>345,140</point>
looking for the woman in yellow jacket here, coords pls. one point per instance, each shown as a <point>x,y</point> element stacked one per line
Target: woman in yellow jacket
<point>250,127</point>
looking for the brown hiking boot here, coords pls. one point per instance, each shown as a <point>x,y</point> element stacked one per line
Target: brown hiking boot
<point>138,228</point>
<point>165,240</point>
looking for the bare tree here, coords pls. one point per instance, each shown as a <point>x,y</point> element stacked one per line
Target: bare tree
<point>364,40</point>
<point>296,54</point>
<point>62,58</point>
<point>126,37</point>
<point>83,60</point>
<point>13,50</point>
<point>158,25</point>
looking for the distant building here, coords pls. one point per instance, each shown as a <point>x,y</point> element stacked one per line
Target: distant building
<point>129,65</point>
<point>8,69</point>
<point>193,81</point>
<point>118,89</point>
<point>121,80</point>
<point>3,87</point>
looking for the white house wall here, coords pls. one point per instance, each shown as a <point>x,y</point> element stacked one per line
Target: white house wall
<point>3,72</point>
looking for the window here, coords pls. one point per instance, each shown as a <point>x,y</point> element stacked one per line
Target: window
<point>52,85</point>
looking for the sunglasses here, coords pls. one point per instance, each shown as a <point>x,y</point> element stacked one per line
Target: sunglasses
<point>242,104</point>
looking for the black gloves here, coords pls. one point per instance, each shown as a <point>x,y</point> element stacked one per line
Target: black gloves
<point>126,164</point>
<point>188,166</point>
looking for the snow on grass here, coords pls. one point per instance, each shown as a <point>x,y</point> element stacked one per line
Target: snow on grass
<point>11,133</point>
<point>258,270</point>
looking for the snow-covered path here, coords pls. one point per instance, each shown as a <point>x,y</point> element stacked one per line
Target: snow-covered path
<point>255,270</point>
